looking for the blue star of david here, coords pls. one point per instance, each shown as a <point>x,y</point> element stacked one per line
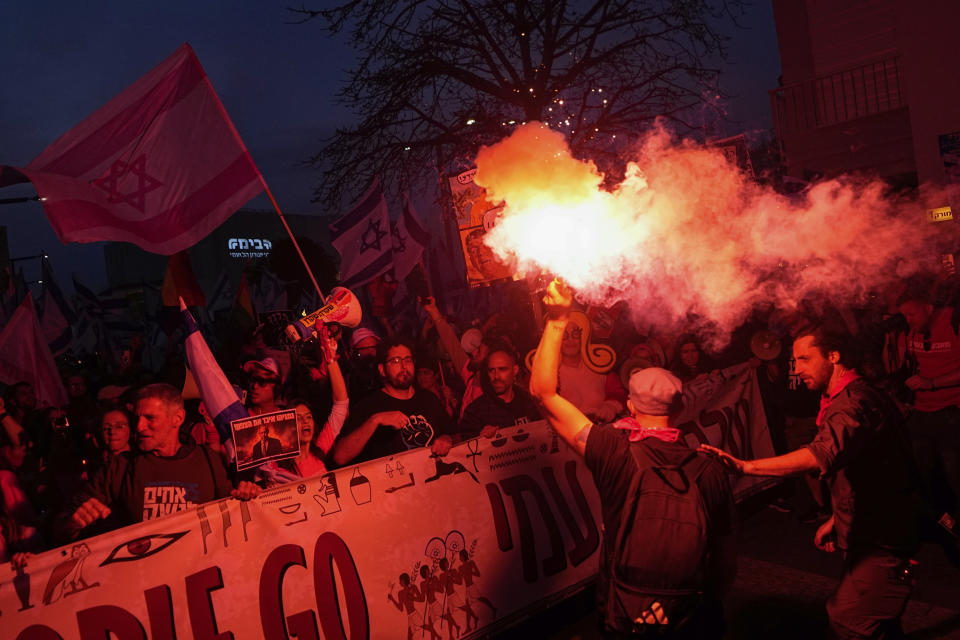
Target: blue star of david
<point>118,171</point>
<point>399,242</point>
<point>372,236</point>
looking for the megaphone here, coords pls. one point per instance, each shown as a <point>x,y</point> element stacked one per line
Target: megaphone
<point>342,307</point>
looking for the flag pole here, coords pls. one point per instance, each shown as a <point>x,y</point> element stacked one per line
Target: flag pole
<point>296,245</point>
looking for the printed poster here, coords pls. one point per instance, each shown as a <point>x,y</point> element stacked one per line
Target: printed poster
<point>266,437</point>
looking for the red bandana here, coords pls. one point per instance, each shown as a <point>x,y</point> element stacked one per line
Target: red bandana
<point>826,401</point>
<point>638,432</point>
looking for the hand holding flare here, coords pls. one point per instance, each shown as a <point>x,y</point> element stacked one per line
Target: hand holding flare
<point>559,297</point>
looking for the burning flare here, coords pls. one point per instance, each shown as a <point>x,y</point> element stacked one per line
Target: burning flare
<point>686,233</point>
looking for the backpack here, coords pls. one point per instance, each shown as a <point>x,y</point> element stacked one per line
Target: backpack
<point>660,549</point>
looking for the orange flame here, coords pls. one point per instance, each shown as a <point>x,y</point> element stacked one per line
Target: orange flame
<point>686,232</point>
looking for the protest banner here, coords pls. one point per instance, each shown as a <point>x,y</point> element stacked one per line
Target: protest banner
<point>491,532</point>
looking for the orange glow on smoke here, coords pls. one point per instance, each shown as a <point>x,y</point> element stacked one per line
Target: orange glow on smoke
<point>686,232</point>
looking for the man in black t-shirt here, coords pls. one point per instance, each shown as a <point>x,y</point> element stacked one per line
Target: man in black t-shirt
<point>608,453</point>
<point>395,418</point>
<point>503,404</point>
<point>162,478</point>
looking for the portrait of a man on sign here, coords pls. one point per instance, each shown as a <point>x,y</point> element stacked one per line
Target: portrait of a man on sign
<point>483,265</point>
<point>266,437</point>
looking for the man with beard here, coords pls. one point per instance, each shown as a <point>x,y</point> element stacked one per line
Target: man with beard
<point>395,418</point>
<point>503,403</point>
<point>861,450</point>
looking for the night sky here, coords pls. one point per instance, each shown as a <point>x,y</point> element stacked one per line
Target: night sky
<point>277,80</point>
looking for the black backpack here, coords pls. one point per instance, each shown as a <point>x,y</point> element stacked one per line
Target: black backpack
<point>661,548</point>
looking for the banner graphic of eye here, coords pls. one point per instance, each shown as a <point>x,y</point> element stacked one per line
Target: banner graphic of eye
<point>142,547</point>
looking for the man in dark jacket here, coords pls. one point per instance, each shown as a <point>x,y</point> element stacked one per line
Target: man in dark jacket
<point>267,445</point>
<point>668,606</point>
<point>162,478</point>
<point>862,451</point>
<point>503,403</point>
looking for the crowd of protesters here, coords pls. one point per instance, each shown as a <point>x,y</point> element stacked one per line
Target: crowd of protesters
<point>104,459</point>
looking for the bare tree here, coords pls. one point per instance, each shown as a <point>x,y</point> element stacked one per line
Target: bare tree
<point>436,79</point>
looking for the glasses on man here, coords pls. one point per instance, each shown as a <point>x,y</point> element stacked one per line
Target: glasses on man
<point>262,382</point>
<point>398,360</point>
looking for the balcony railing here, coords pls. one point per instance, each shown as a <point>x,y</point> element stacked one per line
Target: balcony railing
<point>845,95</point>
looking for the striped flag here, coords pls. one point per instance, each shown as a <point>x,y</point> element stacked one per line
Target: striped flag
<point>25,356</point>
<point>218,394</point>
<point>410,238</point>
<point>362,237</point>
<point>58,315</point>
<point>160,165</point>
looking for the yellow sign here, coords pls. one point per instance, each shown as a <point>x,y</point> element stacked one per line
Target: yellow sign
<point>940,215</point>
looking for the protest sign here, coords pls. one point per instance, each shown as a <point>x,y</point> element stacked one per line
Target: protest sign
<point>265,437</point>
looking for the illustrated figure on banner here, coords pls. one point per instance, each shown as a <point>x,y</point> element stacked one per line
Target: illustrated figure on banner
<point>407,597</point>
<point>468,571</point>
<point>433,591</point>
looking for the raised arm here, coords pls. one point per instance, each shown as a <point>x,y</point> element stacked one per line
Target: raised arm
<point>448,337</point>
<point>569,422</point>
<point>341,400</point>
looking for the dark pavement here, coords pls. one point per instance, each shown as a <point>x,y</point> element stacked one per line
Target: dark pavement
<point>782,584</point>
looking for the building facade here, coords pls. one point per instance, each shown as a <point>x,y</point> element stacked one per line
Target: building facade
<point>869,86</point>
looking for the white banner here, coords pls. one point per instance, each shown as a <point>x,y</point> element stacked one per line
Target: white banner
<point>490,532</point>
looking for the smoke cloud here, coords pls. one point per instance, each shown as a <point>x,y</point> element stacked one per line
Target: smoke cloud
<point>687,234</point>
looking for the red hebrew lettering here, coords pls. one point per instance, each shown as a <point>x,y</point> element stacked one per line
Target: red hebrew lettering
<point>331,550</point>
<point>515,487</point>
<point>500,521</point>
<point>39,632</point>
<point>160,612</point>
<point>100,622</point>
<point>583,544</point>
<point>200,606</point>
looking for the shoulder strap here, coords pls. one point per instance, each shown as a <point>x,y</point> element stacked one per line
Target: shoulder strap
<point>687,470</point>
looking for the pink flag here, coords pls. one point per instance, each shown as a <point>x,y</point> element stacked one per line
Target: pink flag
<point>160,165</point>
<point>25,356</point>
